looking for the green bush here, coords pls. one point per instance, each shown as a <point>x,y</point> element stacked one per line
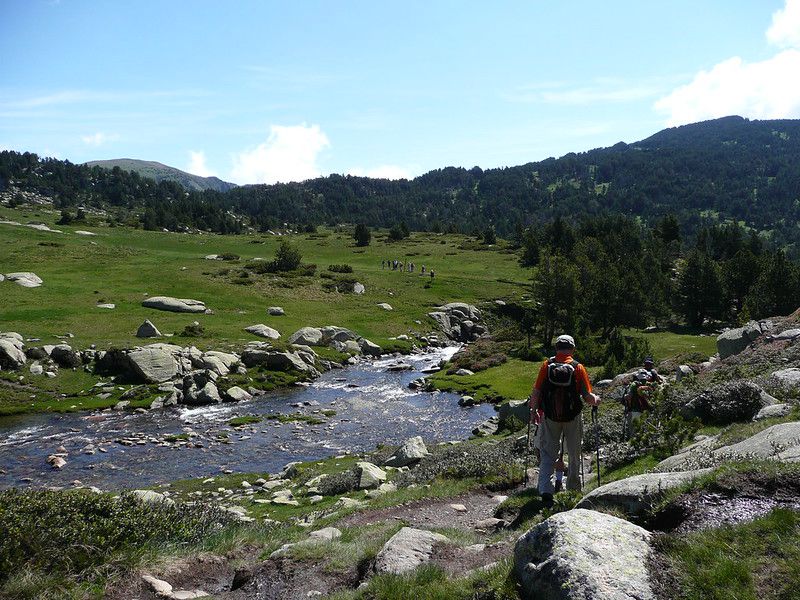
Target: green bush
<point>76,532</point>
<point>340,268</point>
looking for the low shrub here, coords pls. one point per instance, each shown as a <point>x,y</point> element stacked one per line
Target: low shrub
<point>78,532</point>
<point>340,268</point>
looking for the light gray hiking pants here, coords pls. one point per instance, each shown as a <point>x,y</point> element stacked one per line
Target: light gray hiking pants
<point>550,433</point>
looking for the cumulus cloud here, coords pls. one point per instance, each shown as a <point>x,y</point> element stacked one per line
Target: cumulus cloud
<point>197,164</point>
<point>97,139</point>
<point>767,89</point>
<point>785,29</point>
<point>289,154</point>
<point>382,172</point>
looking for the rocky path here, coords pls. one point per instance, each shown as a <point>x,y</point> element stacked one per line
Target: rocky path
<point>286,579</point>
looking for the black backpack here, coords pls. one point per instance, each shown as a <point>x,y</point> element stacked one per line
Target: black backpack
<point>561,401</point>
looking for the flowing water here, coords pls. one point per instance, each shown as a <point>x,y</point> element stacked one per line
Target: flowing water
<point>116,450</point>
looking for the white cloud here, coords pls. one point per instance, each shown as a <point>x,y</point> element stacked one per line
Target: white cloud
<point>97,139</point>
<point>785,29</point>
<point>583,95</point>
<point>383,172</point>
<point>767,89</point>
<point>289,154</point>
<point>197,164</point>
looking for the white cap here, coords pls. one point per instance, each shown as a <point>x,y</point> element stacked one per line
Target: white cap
<point>565,340</point>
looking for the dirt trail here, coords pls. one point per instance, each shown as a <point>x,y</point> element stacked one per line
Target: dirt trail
<point>284,579</point>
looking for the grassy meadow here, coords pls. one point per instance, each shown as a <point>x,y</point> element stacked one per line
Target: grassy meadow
<point>123,266</point>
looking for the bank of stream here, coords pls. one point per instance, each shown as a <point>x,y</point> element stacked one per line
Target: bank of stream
<point>118,449</point>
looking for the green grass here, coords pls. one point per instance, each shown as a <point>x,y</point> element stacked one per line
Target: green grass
<point>431,583</point>
<point>751,561</point>
<point>513,380</point>
<point>665,344</point>
<point>122,265</point>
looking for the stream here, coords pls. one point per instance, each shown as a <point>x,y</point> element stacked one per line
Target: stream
<point>124,450</point>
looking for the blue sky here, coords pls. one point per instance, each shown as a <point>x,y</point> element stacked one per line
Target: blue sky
<point>258,91</point>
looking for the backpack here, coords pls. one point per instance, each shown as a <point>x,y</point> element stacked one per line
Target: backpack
<point>561,401</point>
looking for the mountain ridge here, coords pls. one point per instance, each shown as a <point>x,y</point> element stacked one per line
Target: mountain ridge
<point>160,172</point>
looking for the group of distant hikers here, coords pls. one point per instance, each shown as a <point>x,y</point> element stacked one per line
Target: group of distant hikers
<point>556,404</point>
<point>399,265</point>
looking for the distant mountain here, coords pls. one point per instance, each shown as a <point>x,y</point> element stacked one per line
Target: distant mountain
<point>158,172</point>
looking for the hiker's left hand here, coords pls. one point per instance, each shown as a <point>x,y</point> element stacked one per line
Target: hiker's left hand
<point>592,399</point>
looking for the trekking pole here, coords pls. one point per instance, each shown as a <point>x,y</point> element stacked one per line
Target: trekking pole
<point>596,441</point>
<point>527,452</point>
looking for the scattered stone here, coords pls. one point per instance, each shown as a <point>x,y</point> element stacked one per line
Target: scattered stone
<point>237,394</point>
<point>182,305</point>
<point>159,586</point>
<point>635,495</point>
<point>25,279</point>
<point>458,508</point>
<point>773,411</point>
<point>55,461</point>
<point>489,524</point>
<point>147,330</point>
<point>151,497</point>
<point>464,372</point>
<point>406,550</point>
<point>385,306</point>
<point>276,311</point>
<point>734,341</point>
<point>370,476</point>
<point>264,331</point>
<point>11,357</point>
<point>308,336</point>
<point>582,554</point>
<point>64,356</point>
<point>412,450</point>
<point>683,372</point>
<point>358,288</point>
<point>327,534</point>
<point>109,306</point>
<point>153,365</point>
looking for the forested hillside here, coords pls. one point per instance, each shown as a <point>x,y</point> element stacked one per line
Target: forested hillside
<point>158,172</point>
<point>729,169</point>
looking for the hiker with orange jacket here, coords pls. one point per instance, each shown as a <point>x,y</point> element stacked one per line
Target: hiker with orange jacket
<point>556,402</point>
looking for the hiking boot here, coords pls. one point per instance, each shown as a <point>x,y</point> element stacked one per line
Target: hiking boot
<point>547,500</point>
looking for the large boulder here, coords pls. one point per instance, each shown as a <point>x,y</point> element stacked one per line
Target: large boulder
<point>406,550</point>
<point>237,394</point>
<point>726,403</point>
<point>264,331</point>
<point>276,360</point>
<point>276,311</point>
<point>307,336</point>
<point>780,442</point>
<point>25,279</point>
<point>459,321</point>
<point>369,475</point>
<point>332,333</point>
<point>635,495</point>
<point>147,330</point>
<point>153,365</point>
<point>181,305</point>
<point>582,554</point>
<point>735,340</point>
<point>11,356</point>
<point>412,450</point>
<point>786,381</point>
<point>64,356</point>
<point>369,348</point>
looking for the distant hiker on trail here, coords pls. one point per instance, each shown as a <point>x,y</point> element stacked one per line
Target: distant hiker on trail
<point>556,403</point>
<point>637,400</point>
<point>432,274</point>
<point>411,268</point>
<point>651,371</point>
<point>383,264</point>
<point>423,270</point>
